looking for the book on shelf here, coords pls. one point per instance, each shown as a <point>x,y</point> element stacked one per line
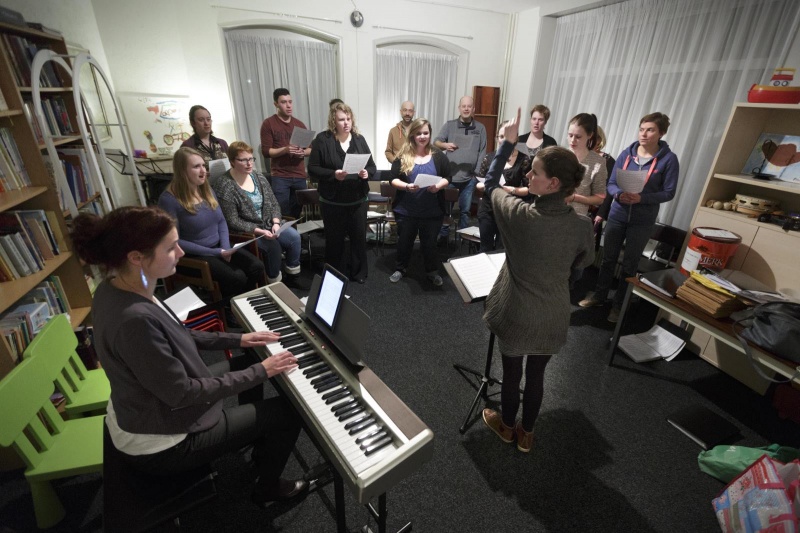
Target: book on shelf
<point>13,257</point>
<point>28,110</point>
<point>3,103</point>
<point>28,239</point>
<point>38,218</point>
<point>8,147</point>
<point>478,272</point>
<point>85,177</point>
<point>21,52</point>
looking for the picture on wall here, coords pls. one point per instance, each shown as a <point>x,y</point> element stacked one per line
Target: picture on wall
<point>157,123</point>
<point>775,156</point>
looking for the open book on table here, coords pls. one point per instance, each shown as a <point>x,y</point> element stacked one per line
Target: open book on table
<point>478,272</point>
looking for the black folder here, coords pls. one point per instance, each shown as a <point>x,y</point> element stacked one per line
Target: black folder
<point>703,426</point>
<point>664,281</point>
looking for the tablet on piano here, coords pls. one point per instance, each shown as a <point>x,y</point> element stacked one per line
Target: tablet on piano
<point>328,304</point>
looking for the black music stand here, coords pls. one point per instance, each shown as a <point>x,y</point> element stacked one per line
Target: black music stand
<point>485,379</point>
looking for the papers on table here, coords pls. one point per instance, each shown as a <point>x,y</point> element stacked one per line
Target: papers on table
<point>284,226</point>
<point>239,245</point>
<point>719,233</point>
<point>631,180</point>
<point>218,167</point>
<point>657,343</point>
<point>426,180</point>
<point>184,302</point>
<point>478,272</point>
<point>355,163</point>
<point>302,137</point>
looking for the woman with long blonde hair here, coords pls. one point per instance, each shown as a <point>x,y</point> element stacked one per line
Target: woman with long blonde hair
<point>202,230</point>
<point>419,211</point>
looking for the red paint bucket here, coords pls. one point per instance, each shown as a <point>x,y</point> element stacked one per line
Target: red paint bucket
<point>706,250</point>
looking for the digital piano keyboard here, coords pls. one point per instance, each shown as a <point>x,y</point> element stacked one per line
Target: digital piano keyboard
<point>369,435</point>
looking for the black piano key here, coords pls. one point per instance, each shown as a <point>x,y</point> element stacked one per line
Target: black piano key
<point>382,443</point>
<point>258,298</point>
<point>281,329</point>
<point>351,413</point>
<point>339,408</point>
<point>323,377</point>
<point>304,354</point>
<point>322,387</point>
<point>265,307</point>
<point>316,370</point>
<point>360,420</point>
<point>336,395</point>
<point>309,360</point>
<point>358,428</point>
<point>296,344</point>
<point>292,336</point>
<point>365,440</point>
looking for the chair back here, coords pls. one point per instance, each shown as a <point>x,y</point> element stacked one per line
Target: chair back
<point>451,194</point>
<point>195,272</point>
<point>387,190</point>
<point>25,397</point>
<point>309,201</point>
<point>671,241</point>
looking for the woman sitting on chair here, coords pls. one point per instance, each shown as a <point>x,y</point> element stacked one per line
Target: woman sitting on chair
<point>203,140</point>
<point>165,413</point>
<point>419,210</point>
<point>343,197</point>
<point>250,206</point>
<point>202,228</point>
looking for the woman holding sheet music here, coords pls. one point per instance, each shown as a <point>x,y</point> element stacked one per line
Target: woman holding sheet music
<point>419,210</point>
<point>202,228</point>
<point>250,207</point>
<point>165,414</point>
<point>203,140</point>
<point>528,307</point>
<point>633,214</point>
<point>343,196</point>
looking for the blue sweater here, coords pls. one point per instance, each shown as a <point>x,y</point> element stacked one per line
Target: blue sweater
<point>659,188</point>
<point>204,233</point>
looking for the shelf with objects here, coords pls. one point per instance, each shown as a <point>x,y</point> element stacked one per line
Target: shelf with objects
<point>764,211</point>
<point>487,109</point>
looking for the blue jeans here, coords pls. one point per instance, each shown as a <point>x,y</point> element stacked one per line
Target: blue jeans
<point>284,191</point>
<point>464,204</point>
<point>288,241</point>
<point>635,238</point>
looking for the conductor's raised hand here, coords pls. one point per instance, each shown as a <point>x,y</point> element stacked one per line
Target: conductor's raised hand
<point>279,363</point>
<point>512,128</point>
<point>258,338</point>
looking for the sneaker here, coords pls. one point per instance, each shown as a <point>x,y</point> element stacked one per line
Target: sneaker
<point>524,439</point>
<point>495,422</point>
<point>436,279</point>
<point>613,316</point>
<point>291,271</point>
<point>296,282</point>
<point>591,300</point>
<point>276,279</point>
<point>397,276</point>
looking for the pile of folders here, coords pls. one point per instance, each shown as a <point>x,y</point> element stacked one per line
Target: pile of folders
<point>717,303</point>
<point>206,319</point>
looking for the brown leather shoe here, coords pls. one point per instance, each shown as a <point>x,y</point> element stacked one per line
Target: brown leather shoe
<point>495,422</point>
<point>524,439</point>
<point>284,489</point>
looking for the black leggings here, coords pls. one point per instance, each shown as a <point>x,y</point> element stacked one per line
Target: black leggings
<point>531,396</point>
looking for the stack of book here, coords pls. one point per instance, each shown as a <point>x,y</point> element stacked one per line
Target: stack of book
<point>28,238</point>
<point>718,303</point>
<point>21,53</point>
<point>13,175</point>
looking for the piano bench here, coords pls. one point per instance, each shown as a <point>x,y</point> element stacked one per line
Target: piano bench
<point>134,501</point>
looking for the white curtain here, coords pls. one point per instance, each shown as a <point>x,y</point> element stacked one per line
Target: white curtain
<point>259,65</point>
<point>428,80</point>
<point>690,59</point>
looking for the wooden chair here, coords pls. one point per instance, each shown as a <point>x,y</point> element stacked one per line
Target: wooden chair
<point>51,447</point>
<point>85,391</point>
<point>195,272</point>
<point>451,195</point>
<point>473,241</point>
<point>309,201</point>
<point>253,248</point>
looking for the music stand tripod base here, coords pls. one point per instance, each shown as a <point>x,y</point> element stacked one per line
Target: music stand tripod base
<point>486,380</point>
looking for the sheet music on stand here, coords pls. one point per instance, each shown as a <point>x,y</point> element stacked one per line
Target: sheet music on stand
<point>478,272</point>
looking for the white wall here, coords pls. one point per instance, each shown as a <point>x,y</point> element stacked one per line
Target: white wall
<point>178,47</point>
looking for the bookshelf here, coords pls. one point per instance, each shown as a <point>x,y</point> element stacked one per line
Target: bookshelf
<point>42,193</point>
<point>487,107</point>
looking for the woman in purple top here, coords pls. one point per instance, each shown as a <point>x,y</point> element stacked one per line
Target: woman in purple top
<point>202,228</point>
<point>203,140</point>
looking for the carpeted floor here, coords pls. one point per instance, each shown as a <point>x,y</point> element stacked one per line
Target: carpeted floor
<point>605,458</point>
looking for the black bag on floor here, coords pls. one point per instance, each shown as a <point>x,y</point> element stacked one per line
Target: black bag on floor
<point>773,326</point>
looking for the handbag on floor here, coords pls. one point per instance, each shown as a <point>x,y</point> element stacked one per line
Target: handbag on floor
<point>773,326</point>
<point>759,500</point>
<point>725,462</point>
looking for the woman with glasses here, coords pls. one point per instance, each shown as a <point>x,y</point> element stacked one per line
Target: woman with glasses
<point>250,206</point>
<point>202,231</point>
<point>342,196</point>
<point>203,140</point>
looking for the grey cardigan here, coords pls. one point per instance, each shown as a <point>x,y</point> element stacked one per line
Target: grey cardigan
<point>159,383</point>
<point>238,209</point>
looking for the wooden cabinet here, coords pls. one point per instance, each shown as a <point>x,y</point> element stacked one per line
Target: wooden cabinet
<point>487,107</point>
<point>767,253</point>
<point>42,194</point>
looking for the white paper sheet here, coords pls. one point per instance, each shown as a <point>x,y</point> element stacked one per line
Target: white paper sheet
<point>184,302</point>
<point>478,272</point>
<point>239,245</point>
<point>284,226</point>
<point>718,233</point>
<point>631,180</point>
<point>355,163</point>
<point>426,180</point>
<point>218,167</point>
<point>657,343</point>
<point>302,137</point>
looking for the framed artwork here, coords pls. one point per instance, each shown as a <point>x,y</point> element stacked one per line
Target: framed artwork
<point>775,156</point>
<point>157,123</point>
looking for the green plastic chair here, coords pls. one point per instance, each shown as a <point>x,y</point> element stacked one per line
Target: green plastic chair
<point>51,447</point>
<point>85,390</point>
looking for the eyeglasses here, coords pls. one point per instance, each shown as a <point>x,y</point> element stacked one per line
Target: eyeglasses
<point>247,160</point>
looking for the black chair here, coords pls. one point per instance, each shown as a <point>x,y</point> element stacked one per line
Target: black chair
<point>134,502</point>
<point>665,246</point>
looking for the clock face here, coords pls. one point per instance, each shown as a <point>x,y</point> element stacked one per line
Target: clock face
<point>356,18</point>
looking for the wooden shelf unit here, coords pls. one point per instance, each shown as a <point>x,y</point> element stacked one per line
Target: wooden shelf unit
<point>487,107</point>
<point>41,195</point>
<point>767,252</point>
